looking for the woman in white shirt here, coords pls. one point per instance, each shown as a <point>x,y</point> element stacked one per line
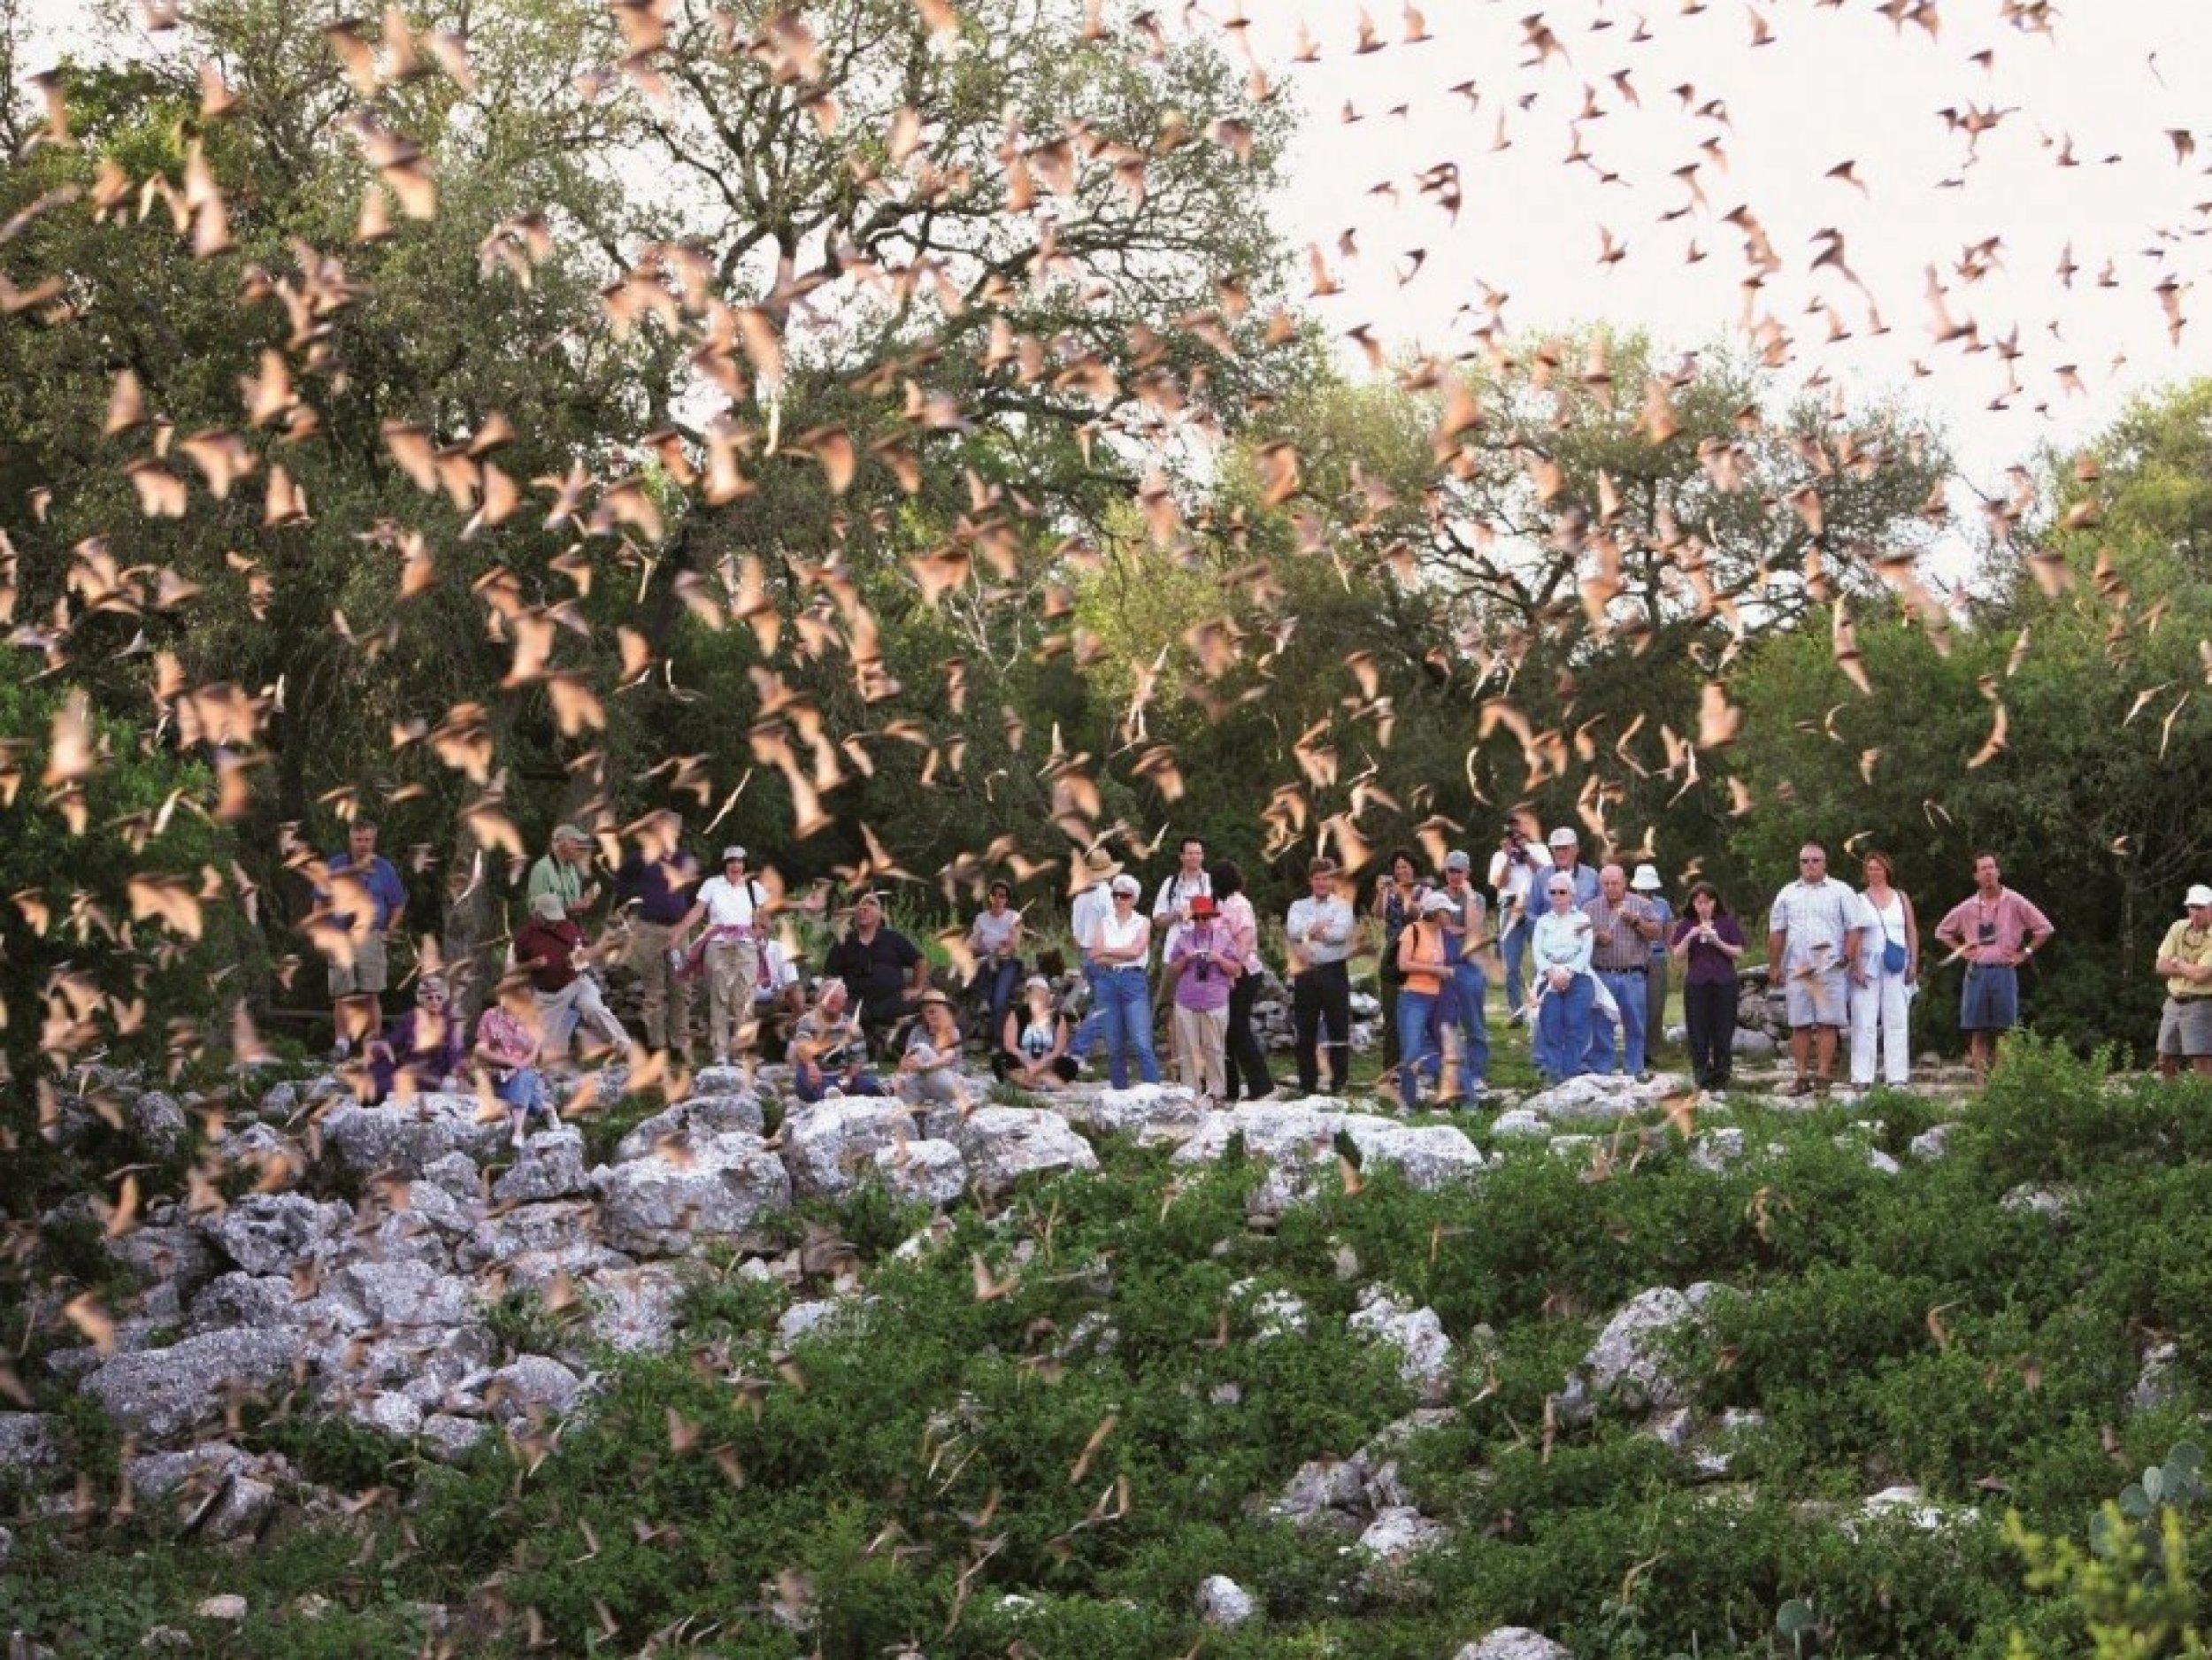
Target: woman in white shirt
<point>731,904</point>
<point>1119,946</point>
<point>1560,945</point>
<point>1881,1001</point>
<point>995,939</point>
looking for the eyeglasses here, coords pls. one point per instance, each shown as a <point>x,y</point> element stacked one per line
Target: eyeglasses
<point>1811,858</point>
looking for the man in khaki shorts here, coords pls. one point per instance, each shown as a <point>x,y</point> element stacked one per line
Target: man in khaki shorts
<point>361,877</point>
<point>2184,957</point>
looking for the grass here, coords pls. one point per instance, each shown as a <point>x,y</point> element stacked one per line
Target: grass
<point>1053,1469</point>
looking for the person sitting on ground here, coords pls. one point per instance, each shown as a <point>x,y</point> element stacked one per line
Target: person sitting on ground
<point>995,939</point>
<point>1033,1052</point>
<point>421,1050</point>
<point>552,947</point>
<point>929,1071</point>
<point>885,969</point>
<point>829,1050</point>
<point>778,1000</point>
<point>507,1049</point>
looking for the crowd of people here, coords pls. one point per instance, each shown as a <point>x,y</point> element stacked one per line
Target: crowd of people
<point>1586,957</point>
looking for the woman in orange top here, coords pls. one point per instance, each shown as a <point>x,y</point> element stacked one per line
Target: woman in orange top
<point>1422,962</point>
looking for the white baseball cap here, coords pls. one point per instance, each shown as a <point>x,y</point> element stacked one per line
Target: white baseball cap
<point>2197,895</point>
<point>1647,880</point>
<point>1562,837</point>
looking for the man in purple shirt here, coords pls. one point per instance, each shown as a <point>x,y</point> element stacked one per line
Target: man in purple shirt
<point>367,903</point>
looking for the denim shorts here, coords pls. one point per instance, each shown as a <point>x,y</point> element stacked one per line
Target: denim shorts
<point>1990,1000</point>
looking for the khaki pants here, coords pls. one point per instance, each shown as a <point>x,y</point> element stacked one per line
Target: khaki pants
<point>660,986</point>
<point>732,970</point>
<point>577,1004</point>
<point>1201,1039</point>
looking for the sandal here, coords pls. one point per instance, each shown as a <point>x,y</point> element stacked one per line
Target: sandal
<point>1802,1086</point>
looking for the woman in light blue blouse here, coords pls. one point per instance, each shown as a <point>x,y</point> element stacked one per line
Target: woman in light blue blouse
<point>1561,946</point>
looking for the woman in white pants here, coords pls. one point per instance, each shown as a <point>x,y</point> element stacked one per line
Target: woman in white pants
<point>1890,958</point>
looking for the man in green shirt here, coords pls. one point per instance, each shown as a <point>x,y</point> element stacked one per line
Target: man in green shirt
<point>561,872</point>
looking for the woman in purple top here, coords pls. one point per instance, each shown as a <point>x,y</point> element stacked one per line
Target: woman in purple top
<point>426,1043</point>
<point>1707,942</point>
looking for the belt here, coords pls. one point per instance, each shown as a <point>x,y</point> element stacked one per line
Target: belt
<point>1640,968</point>
<point>2200,997</point>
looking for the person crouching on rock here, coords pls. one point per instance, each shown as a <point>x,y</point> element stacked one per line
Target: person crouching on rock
<point>507,1049</point>
<point>929,1070</point>
<point>829,1052</point>
<point>422,1051</point>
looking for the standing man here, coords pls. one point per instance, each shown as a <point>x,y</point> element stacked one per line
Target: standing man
<point>1996,930</point>
<point>1171,905</point>
<point>561,872</point>
<point>655,886</point>
<point>1646,885</point>
<point>1092,906</point>
<point>1566,857</point>
<point>1320,928</point>
<point>2184,957</point>
<point>375,903</point>
<point>1623,926</point>
<point>885,971</point>
<point>1515,869</point>
<point>1813,940</point>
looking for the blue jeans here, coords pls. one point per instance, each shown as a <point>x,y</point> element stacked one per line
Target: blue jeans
<point>1629,991</point>
<point>812,1083</point>
<point>1092,1027</point>
<point>1462,1008</point>
<point>1124,1012</point>
<point>1513,946</point>
<point>1417,1048</point>
<point>1563,1030</point>
<point>999,980</point>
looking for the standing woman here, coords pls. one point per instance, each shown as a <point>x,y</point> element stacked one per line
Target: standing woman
<point>1468,984</point>
<point>1424,971</point>
<point>1561,946</point>
<point>1708,942</point>
<point>1890,964</point>
<point>1647,883</point>
<point>1119,946</point>
<point>1397,902</point>
<point>995,939</point>
<point>1246,1059</point>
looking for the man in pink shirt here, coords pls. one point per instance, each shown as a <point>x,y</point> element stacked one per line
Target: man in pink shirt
<point>1995,930</point>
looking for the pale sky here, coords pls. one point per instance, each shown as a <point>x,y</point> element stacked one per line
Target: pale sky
<point>1836,83</point>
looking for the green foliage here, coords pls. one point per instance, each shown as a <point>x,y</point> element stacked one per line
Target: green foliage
<point>2132,1592</point>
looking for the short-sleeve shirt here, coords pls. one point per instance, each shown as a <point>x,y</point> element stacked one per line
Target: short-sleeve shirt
<point>1625,949</point>
<point>730,904</point>
<point>2194,947</point>
<point>874,971</point>
<point>1819,919</point>
<point>993,934</point>
<point>550,875</point>
<point>2010,920</point>
<point>547,949</point>
<point>1204,985</point>
<point>1708,965</point>
<point>386,892</point>
<point>839,1039</point>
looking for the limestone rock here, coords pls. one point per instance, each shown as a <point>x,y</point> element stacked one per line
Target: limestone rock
<point>1223,1603</point>
<point>1150,1112</point>
<point>1715,1149</point>
<point>176,1257</point>
<point>721,1189</point>
<point>160,1392</point>
<point>1631,1363</point>
<point>1400,1532</point>
<point>532,1384</point>
<point>633,1310</point>
<point>547,1166</point>
<point>409,1137</point>
<point>828,1145</point>
<point>158,1121</point>
<point>930,1172</point>
<point>449,1440</point>
<point>389,1413</point>
<point>1519,1124</point>
<point>1592,1099</point>
<point>1004,1144</point>
<point>1418,1335</point>
<point>1933,1144</point>
<point>270,1232</point>
<point>27,1443</point>
<point>405,1294</point>
<point>1427,1156</point>
<point>699,1116</point>
<point>1515,1642</point>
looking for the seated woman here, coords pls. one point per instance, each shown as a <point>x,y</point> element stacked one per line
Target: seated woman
<point>829,1052</point>
<point>995,939</point>
<point>507,1049</point>
<point>1032,1048</point>
<point>421,1051</point>
<point>929,1071</point>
